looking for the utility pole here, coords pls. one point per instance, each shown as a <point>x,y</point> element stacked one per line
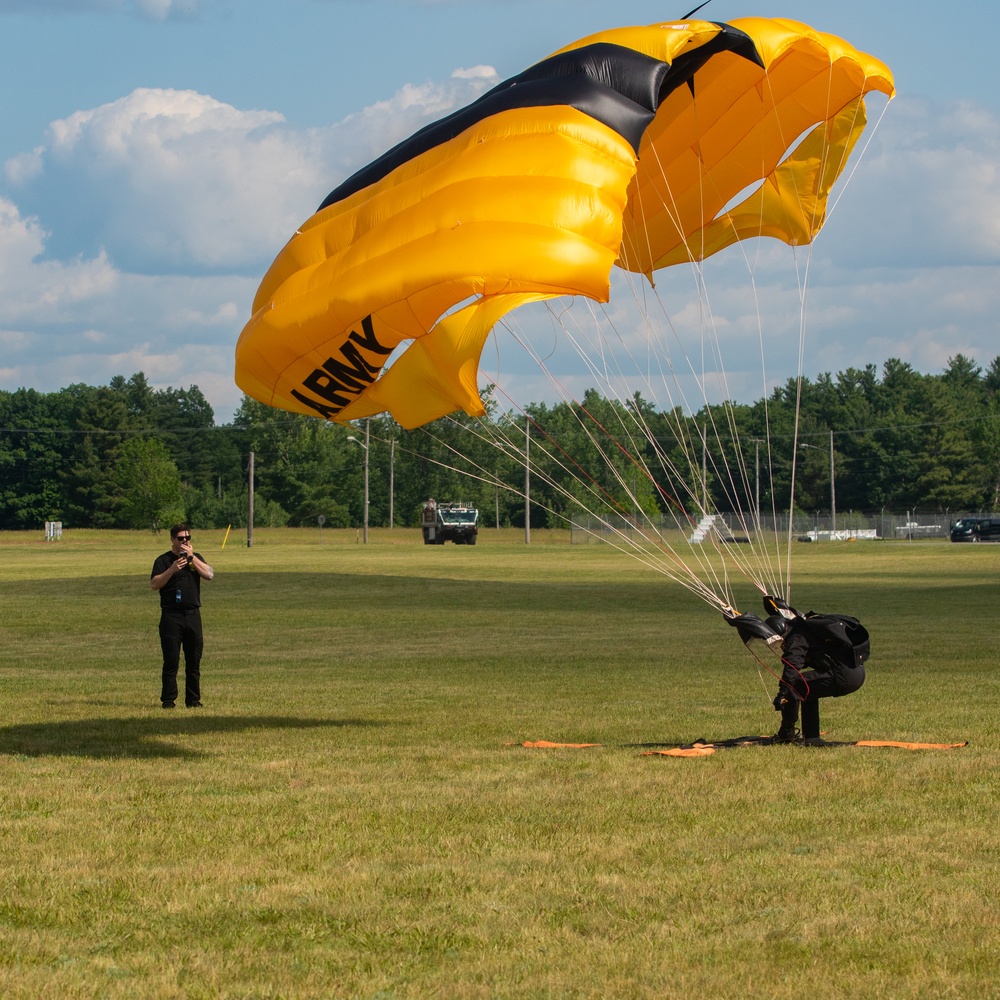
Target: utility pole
<point>756,482</point>
<point>527,480</point>
<point>833,490</point>
<point>250,503</point>
<point>392,478</point>
<point>367,423</point>
<point>364,444</point>
<point>704,467</point>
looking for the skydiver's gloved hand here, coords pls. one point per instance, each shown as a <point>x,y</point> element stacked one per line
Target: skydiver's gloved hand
<point>785,696</point>
<point>777,606</point>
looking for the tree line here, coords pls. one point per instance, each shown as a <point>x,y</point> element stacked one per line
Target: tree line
<point>126,455</point>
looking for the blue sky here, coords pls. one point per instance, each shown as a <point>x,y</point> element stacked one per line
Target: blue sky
<point>156,154</point>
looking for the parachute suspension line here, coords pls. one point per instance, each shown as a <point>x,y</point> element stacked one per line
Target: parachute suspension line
<point>634,451</point>
<point>795,427</point>
<point>730,472</point>
<point>624,541</point>
<point>778,580</point>
<point>870,135</point>
<point>555,381</point>
<point>731,555</point>
<point>725,475</point>
<point>773,673</point>
<point>828,147</point>
<point>685,481</point>
<point>769,550</point>
<point>621,540</point>
<point>482,476</point>
<point>705,309</point>
<point>859,110</point>
<point>753,529</point>
<point>649,534</point>
<point>691,13</point>
<point>785,587</point>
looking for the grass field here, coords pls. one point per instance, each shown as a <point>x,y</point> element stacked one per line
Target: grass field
<point>352,815</point>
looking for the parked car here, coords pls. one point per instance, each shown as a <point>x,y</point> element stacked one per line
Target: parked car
<point>976,529</point>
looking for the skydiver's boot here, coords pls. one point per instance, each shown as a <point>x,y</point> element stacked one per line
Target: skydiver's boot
<point>788,705</point>
<point>810,723</point>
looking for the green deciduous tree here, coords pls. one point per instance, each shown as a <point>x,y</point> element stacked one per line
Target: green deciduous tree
<point>147,485</point>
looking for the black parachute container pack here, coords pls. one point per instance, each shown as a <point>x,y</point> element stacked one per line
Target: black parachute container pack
<point>839,640</point>
<point>840,637</point>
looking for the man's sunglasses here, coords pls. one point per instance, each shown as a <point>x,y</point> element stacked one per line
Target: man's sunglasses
<point>183,538</point>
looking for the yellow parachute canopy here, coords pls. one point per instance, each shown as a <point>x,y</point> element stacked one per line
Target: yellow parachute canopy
<point>624,148</point>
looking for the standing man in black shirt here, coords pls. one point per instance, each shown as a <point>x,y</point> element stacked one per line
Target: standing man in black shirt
<point>177,575</point>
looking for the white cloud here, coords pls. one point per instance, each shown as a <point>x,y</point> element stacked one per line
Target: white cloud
<point>361,137</point>
<point>167,180</point>
<point>487,73</point>
<point>161,10</point>
<point>143,226</point>
<point>43,291</point>
<point>25,166</point>
<point>927,191</point>
<point>154,10</point>
<point>83,320</point>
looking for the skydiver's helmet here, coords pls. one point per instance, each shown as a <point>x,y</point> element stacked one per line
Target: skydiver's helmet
<point>778,624</point>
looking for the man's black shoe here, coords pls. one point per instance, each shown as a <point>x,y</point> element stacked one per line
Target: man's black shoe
<point>168,704</point>
<point>193,704</point>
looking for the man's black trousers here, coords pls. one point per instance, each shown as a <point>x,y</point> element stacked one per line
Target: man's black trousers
<point>181,630</point>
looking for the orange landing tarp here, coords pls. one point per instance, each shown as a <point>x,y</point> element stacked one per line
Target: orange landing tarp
<point>910,746</point>
<point>546,745</point>
<point>707,749</point>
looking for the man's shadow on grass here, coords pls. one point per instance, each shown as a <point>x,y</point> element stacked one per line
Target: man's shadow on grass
<point>142,737</point>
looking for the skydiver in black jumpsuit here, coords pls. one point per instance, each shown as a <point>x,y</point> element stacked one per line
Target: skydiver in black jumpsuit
<point>823,656</point>
<point>815,666</point>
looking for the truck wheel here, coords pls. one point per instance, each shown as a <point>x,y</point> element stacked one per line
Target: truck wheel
<point>472,540</point>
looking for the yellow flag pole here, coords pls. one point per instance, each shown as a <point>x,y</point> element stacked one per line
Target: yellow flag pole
<point>224,540</point>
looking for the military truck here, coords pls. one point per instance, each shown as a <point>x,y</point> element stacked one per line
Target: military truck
<point>456,522</point>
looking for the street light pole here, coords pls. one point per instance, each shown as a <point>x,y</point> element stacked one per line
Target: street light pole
<point>756,481</point>
<point>351,437</point>
<point>367,453</point>
<point>833,485</point>
<point>527,480</point>
<point>833,489</point>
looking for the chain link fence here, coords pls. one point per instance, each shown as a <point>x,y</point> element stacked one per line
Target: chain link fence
<point>817,527</point>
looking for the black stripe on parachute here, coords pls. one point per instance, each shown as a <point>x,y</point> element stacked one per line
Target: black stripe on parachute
<point>613,84</point>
